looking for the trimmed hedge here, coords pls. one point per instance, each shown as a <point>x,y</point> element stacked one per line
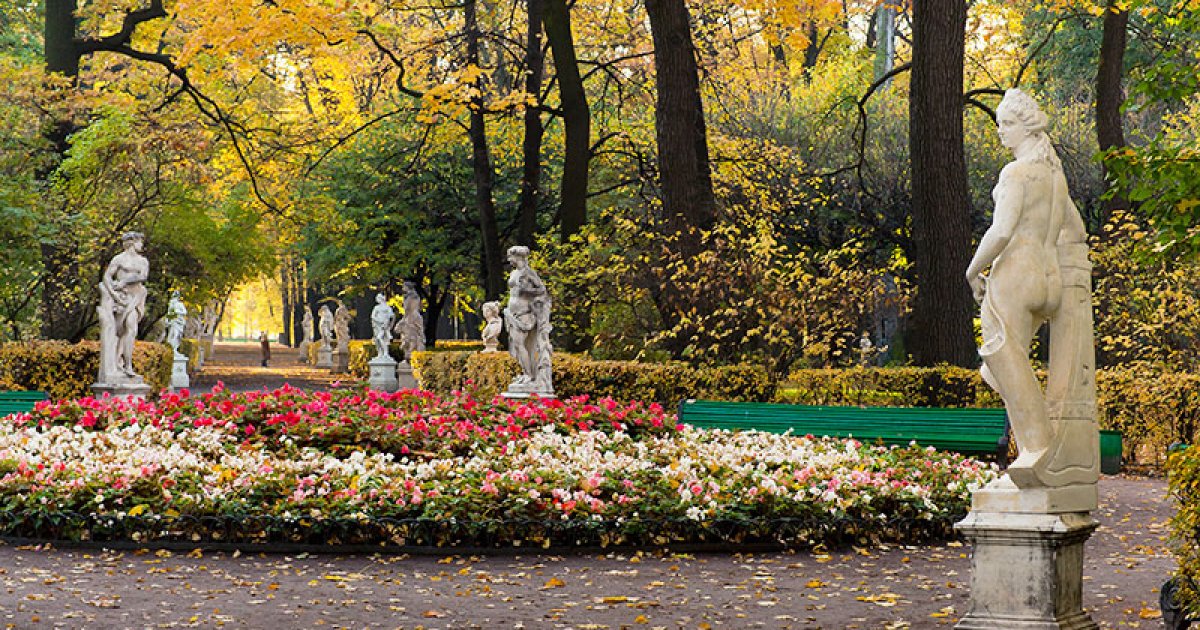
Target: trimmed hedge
<point>65,370</point>
<point>1183,474</point>
<point>488,374</point>
<point>191,349</point>
<point>944,386</point>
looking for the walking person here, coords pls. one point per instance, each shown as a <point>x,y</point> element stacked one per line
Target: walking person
<point>265,342</point>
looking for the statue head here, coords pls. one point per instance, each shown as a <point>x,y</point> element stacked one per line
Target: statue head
<point>518,254</point>
<point>491,309</point>
<point>133,239</point>
<point>380,298</point>
<point>1019,118</point>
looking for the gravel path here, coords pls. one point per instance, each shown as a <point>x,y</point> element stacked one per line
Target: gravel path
<point>239,367</point>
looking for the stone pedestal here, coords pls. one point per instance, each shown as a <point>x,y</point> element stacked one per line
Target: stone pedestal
<point>302,350</point>
<point>179,372</point>
<point>136,391</point>
<point>527,390</point>
<point>383,374</point>
<point>324,357</point>
<point>1027,570</point>
<point>341,361</point>
<point>404,376</point>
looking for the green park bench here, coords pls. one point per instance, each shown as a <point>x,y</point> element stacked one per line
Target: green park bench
<point>967,431</point>
<point>19,401</point>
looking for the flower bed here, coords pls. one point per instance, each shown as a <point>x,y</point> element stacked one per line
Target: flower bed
<point>411,468</point>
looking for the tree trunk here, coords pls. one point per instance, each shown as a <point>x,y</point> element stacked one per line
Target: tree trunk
<point>531,147</point>
<point>435,301</point>
<point>686,182</point>
<point>285,294</point>
<point>940,327</point>
<point>481,163</point>
<point>577,120</point>
<point>1110,132</point>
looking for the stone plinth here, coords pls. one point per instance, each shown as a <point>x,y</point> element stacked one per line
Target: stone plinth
<point>137,391</point>
<point>324,358</point>
<point>179,372</point>
<point>383,374</point>
<point>341,360</point>
<point>1027,570</point>
<point>404,376</point>
<point>527,390</point>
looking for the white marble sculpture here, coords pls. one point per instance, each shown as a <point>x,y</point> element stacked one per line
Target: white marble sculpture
<point>527,317</point>
<point>326,325</point>
<point>306,329</point>
<point>176,321</point>
<point>1029,527</point>
<point>382,319</point>
<point>411,327</point>
<point>341,327</point>
<point>492,326</point>
<point>122,305</point>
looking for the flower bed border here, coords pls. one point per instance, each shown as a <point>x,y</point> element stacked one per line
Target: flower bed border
<point>273,534</point>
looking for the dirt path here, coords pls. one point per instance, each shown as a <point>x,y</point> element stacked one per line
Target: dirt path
<point>239,367</point>
<point>911,587</point>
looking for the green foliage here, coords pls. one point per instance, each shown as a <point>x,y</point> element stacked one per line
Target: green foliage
<point>1183,475</point>
<point>488,374</point>
<point>64,370</point>
<point>191,349</point>
<point>944,386</point>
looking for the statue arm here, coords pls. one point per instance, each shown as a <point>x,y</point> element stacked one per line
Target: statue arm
<point>1009,197</point>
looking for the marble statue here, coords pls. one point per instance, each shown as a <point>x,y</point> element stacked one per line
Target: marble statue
<point>491,329</point>
<point>1037,250</point>
<point>411,327</point>
<point>122,305</point>
<point>306,329</point>
<point>527,317</point>
<point>176,320</point>
<point>382,319</point>
<point>341,327</point>
<point>325,317</point>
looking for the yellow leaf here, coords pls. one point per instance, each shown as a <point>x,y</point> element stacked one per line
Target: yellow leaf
<point>554,583</point>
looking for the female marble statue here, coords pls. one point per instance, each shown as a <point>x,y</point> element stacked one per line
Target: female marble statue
<point>382,317</point>
<point>411,327</point>
<point>122,305</point>
<point>176,320</point>
<point>325,325</point>
<point>1036,248</point>
<point>341,327</point>
<point>527,317</point>
<point>491,329</point>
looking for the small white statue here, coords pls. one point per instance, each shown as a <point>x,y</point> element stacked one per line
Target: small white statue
<point>325,324</point>
<point>527,317</point>
<point>306,329</point>
<point>176,320</point>
<point>341,327</point>
<point>1037,250</point>
<point>491,329</point>
<point>382,319</point>
<point>411,327</point>
<point>122,305</point>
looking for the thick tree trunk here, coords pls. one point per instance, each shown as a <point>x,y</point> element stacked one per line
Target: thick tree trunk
<point>531,147</point>
<point>683,166</point>
<point>940,327</point>
<point>435,302</point>
<point>577,120</point>
<point>482,167</point>
<point>285,294</point>
<point>1110,131</point>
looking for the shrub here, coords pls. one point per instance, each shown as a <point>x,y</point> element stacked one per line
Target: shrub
<point>945,386</point>
<point>64,370</point>
<point>668,383</point>
<point>191,349</point>
<point>1183,474</point>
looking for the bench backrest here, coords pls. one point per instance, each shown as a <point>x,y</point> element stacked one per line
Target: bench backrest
<point>19,401</point>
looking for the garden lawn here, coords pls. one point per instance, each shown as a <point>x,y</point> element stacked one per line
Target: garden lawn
<point>411,468</point>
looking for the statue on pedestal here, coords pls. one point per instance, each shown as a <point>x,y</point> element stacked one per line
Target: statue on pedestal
<point>306,329</point>
<point>341,327</point>
<point>491,329</point>
<point>122,305</point>
<point>411,327</point>
<point>325,324</point>
<point>176,321</point>
<point>382,319</point>
<point>527,317</point>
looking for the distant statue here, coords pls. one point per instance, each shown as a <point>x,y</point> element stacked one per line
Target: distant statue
<point>341,327</point>
<point>122,305</point>
<point>382,319</point>
<point>411,327</point>
<point>306,329</point>
<point>192,327</point>
<point>1037,250</point>
<point>491,329</point>
<point>325,317</point>
<point>176,321</point>
<point>527,317</point>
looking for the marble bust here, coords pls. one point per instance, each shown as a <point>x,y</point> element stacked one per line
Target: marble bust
<point>382,319</point>
<point>492,326</point>
<point>122,305</point>
<point>1037,252</point>
<point>527,317</point>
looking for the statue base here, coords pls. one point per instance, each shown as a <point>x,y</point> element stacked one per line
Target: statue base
<point>1027,570</point>
<point>179,372</point>
<point>404,376</point>
<point>528,390</point>
<point>341,361</point>
<point>324,358</point>
<point>1002,495</point>
<point>132,391</point>
<point>302,350</point>
<point>383,374</point>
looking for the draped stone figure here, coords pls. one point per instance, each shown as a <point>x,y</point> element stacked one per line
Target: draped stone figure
<point>341,327</point>
<point>382,318</point>
<point>325,324</point>
<point>527,317</point>
<point>176,321</point>
<point>306,329</point>
<point>1037,250</point>
<point>411,327</point>
<point>122,305</point>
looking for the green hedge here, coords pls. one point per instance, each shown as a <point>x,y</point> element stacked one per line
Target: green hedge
<point>65,370</point>
<point>488,374</point>
<point>191,349</point>
<point>945,386</point>
<point>1183,474</point>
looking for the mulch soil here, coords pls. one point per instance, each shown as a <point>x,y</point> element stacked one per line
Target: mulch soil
<point>894,587</point>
